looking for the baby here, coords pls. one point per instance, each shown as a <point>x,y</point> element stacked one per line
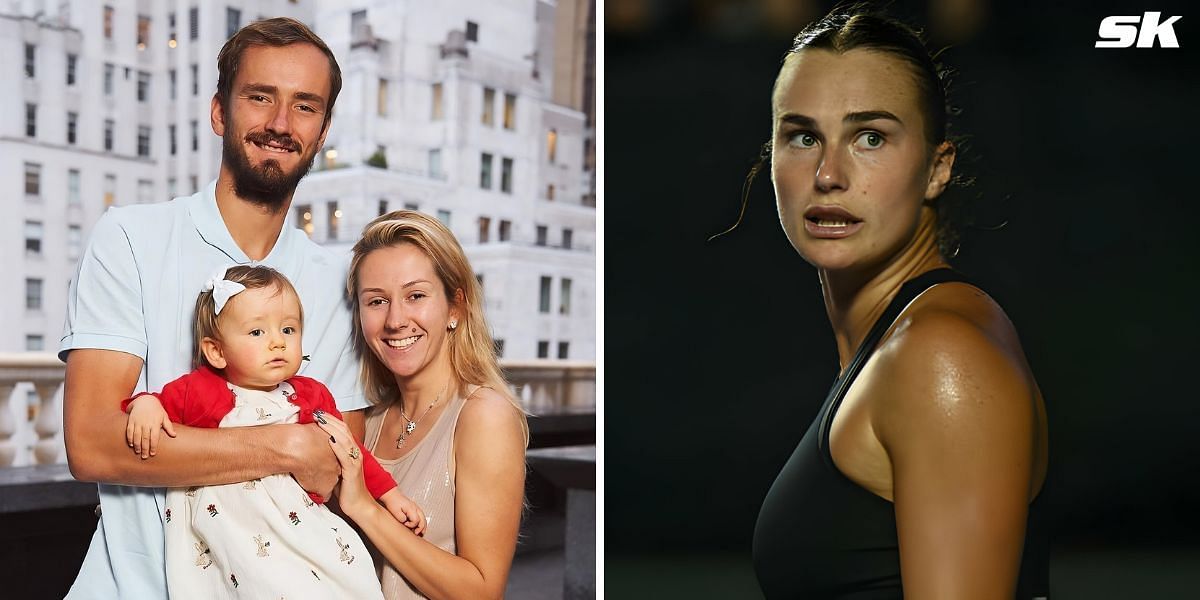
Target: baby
<point>264,538</point>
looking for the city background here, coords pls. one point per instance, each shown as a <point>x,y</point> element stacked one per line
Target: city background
<point>479,113</point>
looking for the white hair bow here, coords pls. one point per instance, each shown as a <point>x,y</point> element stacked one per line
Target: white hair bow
<point>222,289</point>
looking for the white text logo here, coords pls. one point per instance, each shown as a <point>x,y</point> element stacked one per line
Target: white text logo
<point>1120,32</point>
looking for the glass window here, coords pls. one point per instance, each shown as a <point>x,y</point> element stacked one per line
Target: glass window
<point>564,297</point>
<point>33,293</point>
<point>485,171</point>
<point>108,134</point>
<point>562,349</point>
<point>506,174</point>
<point>110,189</point>
<point>444,217</point>
<point>30,59</point>
<point>174,80</point>
<point>145,191</point>
<point>72,121</point>
<point>30,120</point>
<point>33,237</point>
<point>193,23</point>
<point>171,138</point>
<point>195,79</point>
<point>543,349</point>
<point>34,343</point>
<point>172,37</point>
<point>304,217</point>
<point>172,186</point>
<point>33,179</point>
<point>505,230</point>
<point>143,147</point>
<point>383,206</point>
<point>72,63</point>
<point>566,239</point>
<point>108,79</point>
<point>143,86</point>
<point>544,296</point>
<point>550,191</point>
<point>358,23</point>
<point>335,219</point>
<point>436,112</point>
<point>143,32</point>
<point>233,21</point>
<point>489,106</point>
<point>541,235</point>
<point>510,111</point>
<point>485,226</point>
<point>552,144</point>
<point>472,31</point>
<point>195,136</point>
<point>411,206</point>
<point>74,241</point>
<point>435,164</point>
<point>108,22</point>
<point>381,100</point>
<point>499,348</point>
<point>73,187</point>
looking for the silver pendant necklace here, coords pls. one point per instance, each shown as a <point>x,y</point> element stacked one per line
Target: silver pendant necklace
<point>410,425</point>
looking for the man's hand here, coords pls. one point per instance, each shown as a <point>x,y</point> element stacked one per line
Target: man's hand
<point>316,467</point>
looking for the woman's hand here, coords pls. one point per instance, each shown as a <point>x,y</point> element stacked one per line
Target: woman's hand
<point>353,497</point>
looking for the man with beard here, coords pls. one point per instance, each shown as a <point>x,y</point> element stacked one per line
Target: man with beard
<point>129,314</point>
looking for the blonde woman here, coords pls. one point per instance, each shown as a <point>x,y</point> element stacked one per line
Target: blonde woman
<point>443,423</point>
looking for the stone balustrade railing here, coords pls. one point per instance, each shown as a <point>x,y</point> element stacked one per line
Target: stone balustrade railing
<point>31,400</point>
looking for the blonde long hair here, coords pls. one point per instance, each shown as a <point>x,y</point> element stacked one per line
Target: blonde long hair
<point>472,351</point>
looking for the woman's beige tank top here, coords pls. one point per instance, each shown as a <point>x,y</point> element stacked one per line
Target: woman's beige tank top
<point>425,475</point>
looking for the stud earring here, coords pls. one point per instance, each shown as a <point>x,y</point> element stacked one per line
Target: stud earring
<point>453,325</point>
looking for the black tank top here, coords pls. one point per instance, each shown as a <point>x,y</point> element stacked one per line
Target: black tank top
<point>820,535</point>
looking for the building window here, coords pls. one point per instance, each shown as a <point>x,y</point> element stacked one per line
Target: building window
<point>505,230</point>
<point>195,136</point>
<point>108,22</point>
<point>329,160</point>
<point>335,219</point>
<point>233,21</point>
<point>358,21</point>
<point>108,135</point>
<point>195,79</point>
<point>72,121</point>
<point>436,112</point>
<point>444,217</point>
<point>541,235</point>
<point>145,191</point>
<point>193,23</point>
<point>108,79</point>
<point>72,63</point>
<point>383,205</point>
<point>485,171</point>
<point>33,294</point>
<point>381,100</point>
<point>489,106</point>
<point>566,239</point>
<point>552,145</point>
<point>30,120</point>
<point>435,164</point>
<point>499,345</point>
<point>172,38</point>
<point>171,138</point>
<point>543,349</point>
<point>194,182</point>
<point>304,217</point>
<point>506,171</point>
<point>33,237</point>
<point>510,111</point>
<point>73,187</point>
<point>485,226</point>
<point>173,76</point>
<point>143,86</point>
<point>564,296</point>
<point>172,186</point>
<point>143,32</point>
<point>544,296</point>
<point>412,206</point>
<point>472,31</point>
<point>562,349</point>
<point>110,189</point>
<point>30,60</point>
<point>74,241</point>
<point>143,147</point>
<point>550,191</point>
<point>34,343</point>
<point>33,179</point>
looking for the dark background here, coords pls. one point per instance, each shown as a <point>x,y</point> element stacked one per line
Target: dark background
<point>718,354</point>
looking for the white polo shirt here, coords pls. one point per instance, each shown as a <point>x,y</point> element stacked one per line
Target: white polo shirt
<point>135,292</point>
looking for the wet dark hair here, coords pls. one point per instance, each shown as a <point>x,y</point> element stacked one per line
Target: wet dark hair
<point>861,26</point>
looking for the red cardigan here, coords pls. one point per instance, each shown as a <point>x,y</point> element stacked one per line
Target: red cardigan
<point>202,398</point>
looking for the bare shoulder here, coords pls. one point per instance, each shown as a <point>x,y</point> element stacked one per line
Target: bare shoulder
<point>489,412</point>
<point>958,359</point>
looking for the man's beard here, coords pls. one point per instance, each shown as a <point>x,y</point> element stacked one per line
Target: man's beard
<point>266,184</point>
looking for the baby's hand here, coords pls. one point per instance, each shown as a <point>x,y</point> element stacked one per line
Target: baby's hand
<point>146,419</point>
<point>403,509</point>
